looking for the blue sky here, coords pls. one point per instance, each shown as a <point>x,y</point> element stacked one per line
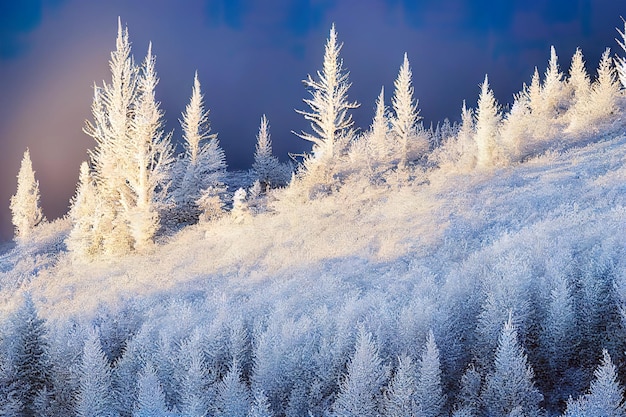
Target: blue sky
<point>251,56</point>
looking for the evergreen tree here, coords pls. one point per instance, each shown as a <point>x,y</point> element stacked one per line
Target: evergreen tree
<point>559,332</point>
<point>510,385</point>
<point>429,394</point>
<point>94,398</point>
<point>268,169</point>
<point>199,173</point>
<point>29,360</point>
<point>605,90</point>
<point>621,61</point>
<point>260,406</point>
<point>113,111</point>
<point>533,95</point>
<point>465,146</point>
<point>552,89</point>
<point>399,397</point>
<point>25,203</point>
<point>487,127</point>
<point>406,113</point>
<point>194,391</point>
<point>83,240</point>
<point>330,121</point>
<point>379,130</point>
<point>578,78</point>
<point>150,398</point>
<point>605,397</point>
<point>360,390</point>
<point>233,397</point>
<point>149,156</point>
<point>580,90</point>
<point>469,393</point>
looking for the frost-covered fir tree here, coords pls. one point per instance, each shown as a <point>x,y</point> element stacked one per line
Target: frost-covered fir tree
<point>579,90</point>
<point>559,331</point>
<point>360,390</point>
<point>429,396</point>
<point>379,130</point>
<point>260,406</point>
<point>113,110</point>
<point>605,397</point>
<point>487,127</point>
<point>29,360</point>
<point>150,398</point>
<point>552,90</point>
<point>330,119</point>
<point>605,90</point>
<point>95,397</point>
<point>578,78</point>
<point>510,385</point>
<point>399,399</point>
<point>83,240</point>
<point>199,173</point>
<point>532,94</point>
<point>233,396</point>
<point>469,392</point>
<point>25,203</point>
<point>403,124</point>
<point>149,158</point>
<point>620,60</point>
<point>195,396</point>
<point>270,172</point>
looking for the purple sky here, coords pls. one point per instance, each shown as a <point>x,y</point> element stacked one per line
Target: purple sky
<point>251,56</point>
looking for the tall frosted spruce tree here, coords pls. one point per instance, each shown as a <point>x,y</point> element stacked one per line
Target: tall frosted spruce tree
<point>95,398</point>
<point>150,155</point>
<point>199,172</point>
<point>132,155</point>
<point>488,120</point>
<point>31,382</point>
<point>330,120</point>
<point>403,125</point>
<point>25,203</point>
<point>270,172</point>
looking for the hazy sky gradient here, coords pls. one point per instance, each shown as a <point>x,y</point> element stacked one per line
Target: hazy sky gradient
<point>251,56</point>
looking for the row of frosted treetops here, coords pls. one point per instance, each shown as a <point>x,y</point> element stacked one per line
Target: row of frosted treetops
<point>134,186</point>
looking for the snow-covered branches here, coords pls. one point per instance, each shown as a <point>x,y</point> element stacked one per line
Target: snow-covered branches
<point>406,112</point>
<point>199,172</point>
<point>25,203</point>
<point>330,119</point>
<point>621,61</point>
<point>488,120</point>
<point>270,172</point>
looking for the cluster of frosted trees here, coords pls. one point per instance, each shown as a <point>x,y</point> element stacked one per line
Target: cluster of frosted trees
<point>232,367</point>
<point>134,188</point>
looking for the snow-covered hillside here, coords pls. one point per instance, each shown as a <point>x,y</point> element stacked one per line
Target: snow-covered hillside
<point>473,269</point>
<point>286,291</point>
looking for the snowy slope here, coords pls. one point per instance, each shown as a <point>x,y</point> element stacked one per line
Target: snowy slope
<point>452,252</point>
<point>438,222</point>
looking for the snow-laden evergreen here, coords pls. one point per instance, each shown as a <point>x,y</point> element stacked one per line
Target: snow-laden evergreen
<point>199,171</point>
<point>25,203</point>
<point>329,116</point>
<point>360,391</point>
<point>510,386</point>
<point>404,122</point>
<point>95,398</point>
<point>605,397</point>
<point>488,120</point>
<point>270,172</point>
